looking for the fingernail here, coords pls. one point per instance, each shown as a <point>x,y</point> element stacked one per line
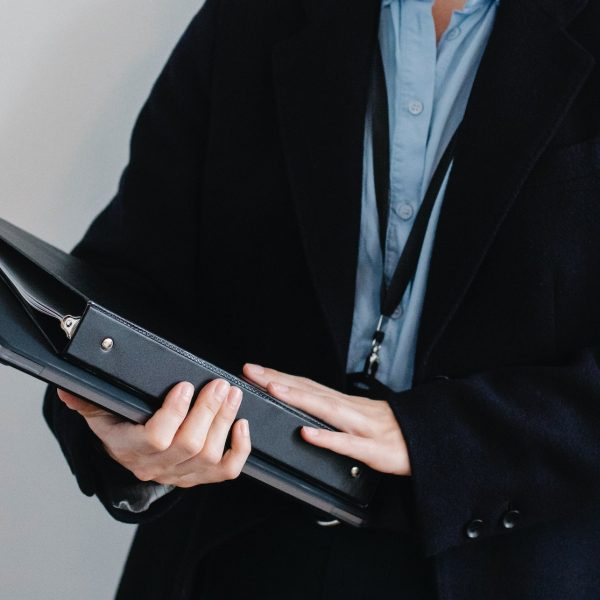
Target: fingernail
<point>255,369</point>
<point>245,428</point>
<point>235,397</point>
<point>311,431</point>
<point>186,391</point>
<point>222,390</point>
<point>280,389</point>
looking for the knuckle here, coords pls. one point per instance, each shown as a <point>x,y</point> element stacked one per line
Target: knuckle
<point>144,474</point>
<point>211,405</point>
<point>157,442</point>
<point>231,470</point>
<point>226,415</point>
<point>179,408</point>
<point>368,431</point>
<point>211,457</point>
<point>190,446</point>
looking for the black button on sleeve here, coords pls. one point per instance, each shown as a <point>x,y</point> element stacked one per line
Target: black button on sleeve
<point>474,529</point>
<point>510,519</point>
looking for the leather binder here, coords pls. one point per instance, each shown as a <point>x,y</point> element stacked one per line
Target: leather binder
<point>56,317</point>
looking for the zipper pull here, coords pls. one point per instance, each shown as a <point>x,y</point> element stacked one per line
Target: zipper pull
<point>69,325</point>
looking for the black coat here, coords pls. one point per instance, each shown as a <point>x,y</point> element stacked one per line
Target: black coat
<point>239,216</point>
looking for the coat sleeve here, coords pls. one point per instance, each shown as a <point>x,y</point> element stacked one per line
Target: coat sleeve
<point>96,473</point>
<point>523,439</point>
<point>145,237</point>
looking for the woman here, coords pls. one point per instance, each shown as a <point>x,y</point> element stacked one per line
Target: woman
<point>264,209</point>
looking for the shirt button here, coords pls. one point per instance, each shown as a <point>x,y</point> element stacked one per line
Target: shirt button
<point>474,529</point>
<point>405,211</point>
<point>415,107</point>
<point>398,312</point>
<point>453,33</point>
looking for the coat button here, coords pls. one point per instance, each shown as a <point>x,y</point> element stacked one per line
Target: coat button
<point>510,519</point>
<point>474,529</point>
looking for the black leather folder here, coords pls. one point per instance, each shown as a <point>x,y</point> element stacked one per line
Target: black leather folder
<point>56,324</point>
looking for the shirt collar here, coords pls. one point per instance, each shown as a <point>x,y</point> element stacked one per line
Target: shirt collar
<point>469,6</point>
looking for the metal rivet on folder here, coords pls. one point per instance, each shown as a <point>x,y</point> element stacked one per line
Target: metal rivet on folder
<point>355,472</point>
<point>107,344</point>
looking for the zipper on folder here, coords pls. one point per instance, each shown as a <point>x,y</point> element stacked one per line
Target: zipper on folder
<point>68,323</point>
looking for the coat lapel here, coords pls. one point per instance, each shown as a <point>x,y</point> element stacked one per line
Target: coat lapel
<point>529,76</point>
<point>321,80</point>
<point>531,72</point>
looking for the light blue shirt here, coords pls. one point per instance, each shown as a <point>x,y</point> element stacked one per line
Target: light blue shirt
<point>428,87</point>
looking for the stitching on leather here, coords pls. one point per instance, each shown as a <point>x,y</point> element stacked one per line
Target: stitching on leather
<point>210,367</point>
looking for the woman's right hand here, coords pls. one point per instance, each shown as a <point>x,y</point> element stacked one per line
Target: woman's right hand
<point>178,445</point>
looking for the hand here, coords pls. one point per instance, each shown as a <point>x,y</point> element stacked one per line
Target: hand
<point>178,445</point>
<point>369,432</point>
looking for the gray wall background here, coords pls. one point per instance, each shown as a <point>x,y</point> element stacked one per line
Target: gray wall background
<point>73,75</point>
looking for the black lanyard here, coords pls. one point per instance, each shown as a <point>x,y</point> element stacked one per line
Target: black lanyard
<point>391,295</point>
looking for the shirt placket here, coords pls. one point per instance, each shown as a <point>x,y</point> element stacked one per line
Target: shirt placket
<point>411,102</point>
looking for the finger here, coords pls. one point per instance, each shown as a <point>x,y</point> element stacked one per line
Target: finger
<point>361,449</point>
<point>101,422</point>
<point>195,470</point>
<point>83,407</point>
<point>235,458</point>
<point>263,376</point>
<point>333,410</point>
<point>212,453</point>
<point>189,440</point>
<point>158,432</point>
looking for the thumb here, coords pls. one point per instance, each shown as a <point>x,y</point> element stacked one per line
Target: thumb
<point>100,421</point>
<point>84,408</point>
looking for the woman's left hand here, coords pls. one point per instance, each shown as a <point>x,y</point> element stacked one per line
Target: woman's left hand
<point>369,432</point>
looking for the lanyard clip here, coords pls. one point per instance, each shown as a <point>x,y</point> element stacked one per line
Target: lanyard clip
<point>373,360</point>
